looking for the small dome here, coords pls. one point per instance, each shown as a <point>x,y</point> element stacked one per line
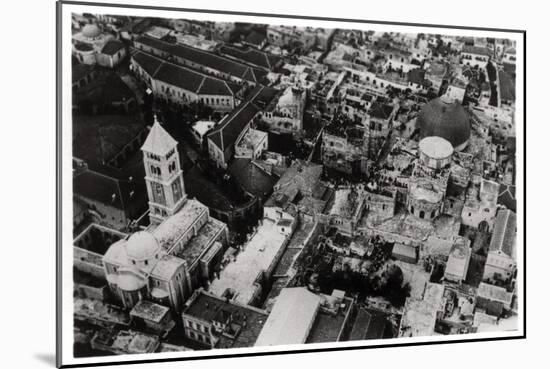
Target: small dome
<point>142,246</point>
<point>446,120</point>
<point>436,147</point>
<point>130,281</point>
<point>91,31</point>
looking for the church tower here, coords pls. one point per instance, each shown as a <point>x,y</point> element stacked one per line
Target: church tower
<point>163,174</point>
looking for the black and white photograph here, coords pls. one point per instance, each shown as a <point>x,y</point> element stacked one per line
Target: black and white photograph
<point>237,184</point>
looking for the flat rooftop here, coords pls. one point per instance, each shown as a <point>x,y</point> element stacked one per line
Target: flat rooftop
<point>169,231</point>
<point>149,311</point>
<point>95,309</point>
<point>257,256</point>
<point>196,246</point>
<point>420,315</point>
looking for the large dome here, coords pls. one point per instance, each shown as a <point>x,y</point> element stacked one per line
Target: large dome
<point>91,31</point>
<point>142,246</point>
<point>447,120</point>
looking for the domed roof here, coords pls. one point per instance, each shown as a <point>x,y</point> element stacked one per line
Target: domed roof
<point>142,246</point>
<point>91,31</point>
<point>447,120</point>
<point>130,281</point>
<point>436,147</point>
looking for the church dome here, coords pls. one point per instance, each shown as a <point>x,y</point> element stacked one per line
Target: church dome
<point>142,246</point>
<point>91,31</point>
<point>446,120</point>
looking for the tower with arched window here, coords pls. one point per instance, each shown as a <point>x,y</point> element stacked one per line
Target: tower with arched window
<point>163,174</point>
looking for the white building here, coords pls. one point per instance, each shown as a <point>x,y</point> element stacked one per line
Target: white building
<point>288,112</point>
<point>92,46</point>
<point>251,145</point>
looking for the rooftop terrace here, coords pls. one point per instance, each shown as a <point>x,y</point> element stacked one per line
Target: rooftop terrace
<point>256,257</point>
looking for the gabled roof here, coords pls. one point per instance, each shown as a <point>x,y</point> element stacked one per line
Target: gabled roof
<point>232,125</point>
<point>251,55</point>
<point>158,140</point>
<point>507,196</point>
<point>183,77</point>
<point>255,38</point>
<point>205,58</point>
<point>112,47</point>
<point>104,189</point>
<point>504,233</point>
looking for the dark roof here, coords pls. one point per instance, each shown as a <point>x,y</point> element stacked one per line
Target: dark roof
<point>185,78</point>
<point>205,58</point>
<point>104,89</point>
<point>368,325</point>
<point>232,125</point>
<point>104,189</point>
<point>449,121</point>
<point>251,177</point>
<point>507,86</point>
<point>112,47</point>
<point>80,71</point>
<point>380,110</point>
<point>255,38</point>
<point>417,76</point>
<point>207,307</point>
<point>504,233</point>
<point>81,46</point>
<point>507,196</point>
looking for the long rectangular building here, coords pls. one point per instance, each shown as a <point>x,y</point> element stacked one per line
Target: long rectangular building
<point>183,85</point>
<point>204,61</point>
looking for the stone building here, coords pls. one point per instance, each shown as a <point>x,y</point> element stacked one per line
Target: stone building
<point>181,248</point>
<point>92,46</point>
<point>428,183</point>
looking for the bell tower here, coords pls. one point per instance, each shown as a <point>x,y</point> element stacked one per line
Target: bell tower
<point>163,175</point>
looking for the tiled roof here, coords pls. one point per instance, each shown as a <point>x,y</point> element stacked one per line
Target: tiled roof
<point>504,233</point>
<point>104,189</point>
<point>251,177</point>
<point>255,38</point>
<point>185,78</point>
<point>205,58</point>
<point>507,196</point>
<point>232,125</point>
<point>112,47</point>
<point>251,56</point>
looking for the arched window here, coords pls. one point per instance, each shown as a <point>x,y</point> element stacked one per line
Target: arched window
<point>412,209</point>
<point>421,215</point>
<point>433,214</point>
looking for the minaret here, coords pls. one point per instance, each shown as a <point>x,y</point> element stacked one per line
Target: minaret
<point>163,174</point>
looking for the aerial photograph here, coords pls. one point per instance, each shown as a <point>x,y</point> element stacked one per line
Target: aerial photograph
<point>242,185</point>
